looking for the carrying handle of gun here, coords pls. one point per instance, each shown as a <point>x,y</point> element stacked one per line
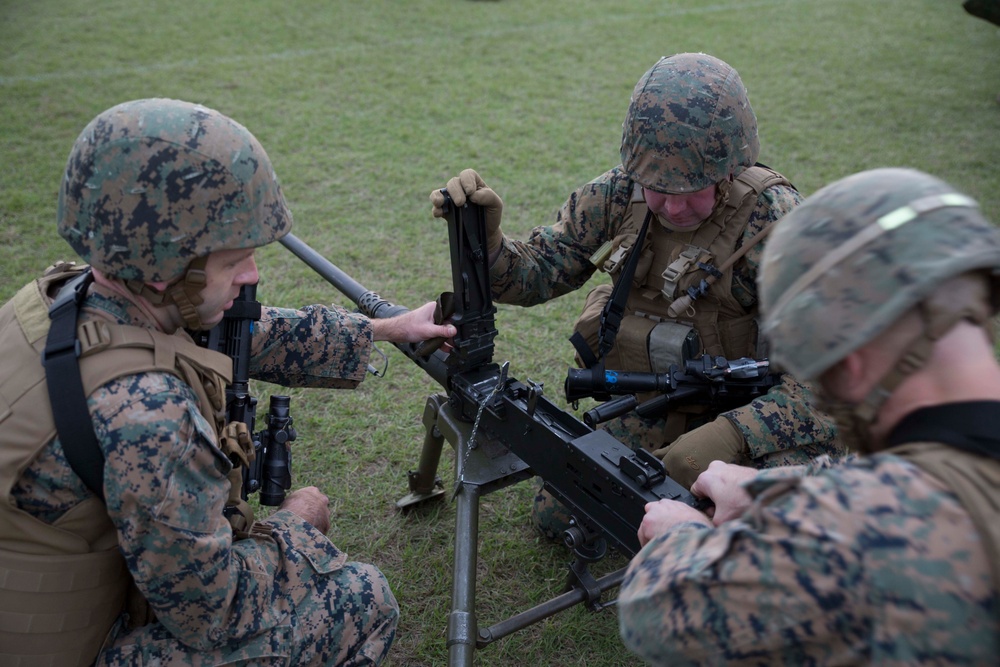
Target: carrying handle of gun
<point>443,310</point>
<point>445,306</point>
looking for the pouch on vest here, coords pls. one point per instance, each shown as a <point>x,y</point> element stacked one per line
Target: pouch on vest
<point>740,337</point>
<point>643,344</point>
<point>692,256</point>
<point>588,325</point>
<point>671,344</point>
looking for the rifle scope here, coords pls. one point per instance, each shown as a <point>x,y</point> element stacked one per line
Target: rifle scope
<point>602,384</point>
<point>276,475</point>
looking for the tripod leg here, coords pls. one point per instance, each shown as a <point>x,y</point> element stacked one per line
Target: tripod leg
<point>424,483</point>
<point>462,625</point>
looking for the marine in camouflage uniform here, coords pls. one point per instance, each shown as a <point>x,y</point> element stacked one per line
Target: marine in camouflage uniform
<point>166,201</point>
<point>880,287</point>
<point>690,132</point>
<point>287,594</point>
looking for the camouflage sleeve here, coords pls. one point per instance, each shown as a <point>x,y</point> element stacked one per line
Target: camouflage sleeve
<point>315,346</point>
<point>166,485</point>
<point>861,564</point>
<point>768,476</point>
<point>783,427</point>
<point>773,203</point>
<point>555,260</point>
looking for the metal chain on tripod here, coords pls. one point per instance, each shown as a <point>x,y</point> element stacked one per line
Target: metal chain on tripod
<point>471,443</point>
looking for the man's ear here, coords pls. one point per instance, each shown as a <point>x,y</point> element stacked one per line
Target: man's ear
<point>847,379</point>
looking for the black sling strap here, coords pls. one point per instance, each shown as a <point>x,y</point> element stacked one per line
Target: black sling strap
<point>62,376</point>
<point>614,309</point>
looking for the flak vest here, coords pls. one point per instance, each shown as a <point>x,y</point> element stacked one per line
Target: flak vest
<point>671,263</point>
<point>62,585</point>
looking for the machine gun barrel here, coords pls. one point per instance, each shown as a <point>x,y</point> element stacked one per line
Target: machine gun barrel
<point>368,302</point>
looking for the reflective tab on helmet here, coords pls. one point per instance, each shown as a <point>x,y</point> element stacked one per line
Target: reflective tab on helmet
<point>886,223</point>
<point>914,209</point>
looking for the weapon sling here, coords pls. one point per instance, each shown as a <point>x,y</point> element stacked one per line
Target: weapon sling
<point>614,309</point>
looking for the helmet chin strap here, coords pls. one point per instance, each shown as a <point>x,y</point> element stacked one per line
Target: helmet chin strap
<point>185,293</point>
<point>965,297</point>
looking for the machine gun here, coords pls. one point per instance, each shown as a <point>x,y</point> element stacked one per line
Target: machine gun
<point>270,471</point>
<point>714,381</point>
<point>505,431</point>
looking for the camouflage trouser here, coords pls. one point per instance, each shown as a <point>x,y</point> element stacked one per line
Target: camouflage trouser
<point>347,617</point>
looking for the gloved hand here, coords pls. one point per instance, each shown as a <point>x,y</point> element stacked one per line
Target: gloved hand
<point>470,184</point>
<point>689,455</point>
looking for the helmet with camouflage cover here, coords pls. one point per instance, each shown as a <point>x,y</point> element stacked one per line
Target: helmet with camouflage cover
<point>689,125</point>
<point>153,185</point>
<point>857,255</point>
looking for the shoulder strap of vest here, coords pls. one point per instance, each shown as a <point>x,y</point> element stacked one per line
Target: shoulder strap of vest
<point>133,350</point>
<point>975,481</point>
<point>746,189</point>
<point>760,177</point>
<point>65,385</point>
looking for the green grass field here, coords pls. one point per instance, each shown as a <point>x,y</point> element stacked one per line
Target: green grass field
<point>365,107</point>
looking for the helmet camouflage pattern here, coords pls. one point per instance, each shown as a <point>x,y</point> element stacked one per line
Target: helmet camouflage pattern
<point>857,255</point>
<point>151,185</point>
<point>689,125</point>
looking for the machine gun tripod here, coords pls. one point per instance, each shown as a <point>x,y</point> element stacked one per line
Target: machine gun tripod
<point>503,432</point>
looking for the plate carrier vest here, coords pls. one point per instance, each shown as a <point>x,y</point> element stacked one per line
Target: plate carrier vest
<point>62,585</point>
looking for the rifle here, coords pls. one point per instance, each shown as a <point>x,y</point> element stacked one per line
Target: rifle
<point>713,381</point>
<point>270,470</point>
<point>503,432</point>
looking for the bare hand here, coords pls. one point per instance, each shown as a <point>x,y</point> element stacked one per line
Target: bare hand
<point>412,327</point>
<point>723,483</point>
<point>309,504</point>
<point>665,514</point>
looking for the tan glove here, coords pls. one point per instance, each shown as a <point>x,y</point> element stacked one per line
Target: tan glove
<point>689,455</point>
<point>470,184</point>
